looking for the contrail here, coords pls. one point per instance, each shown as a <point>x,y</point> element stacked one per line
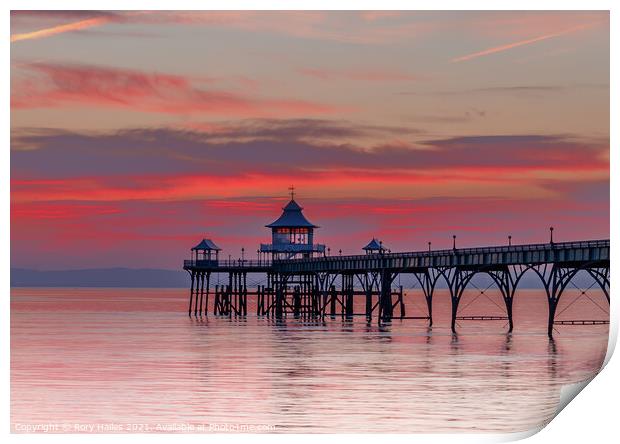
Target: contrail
<point>75,26</point>
<point>519,43</point>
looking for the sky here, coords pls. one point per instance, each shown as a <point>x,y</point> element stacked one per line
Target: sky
<point>135,134</point>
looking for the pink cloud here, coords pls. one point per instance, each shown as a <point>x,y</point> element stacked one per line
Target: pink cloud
<point>318,25</point>
<point>56,86</point>
<point>160,233</point>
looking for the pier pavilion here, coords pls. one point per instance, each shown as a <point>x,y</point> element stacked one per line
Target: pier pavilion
<point>302,281</point>
<point>292,235</point>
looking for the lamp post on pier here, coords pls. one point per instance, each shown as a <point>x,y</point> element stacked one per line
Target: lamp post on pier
<point>551,235</point>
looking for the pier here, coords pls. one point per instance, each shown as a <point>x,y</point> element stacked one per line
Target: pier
<point>302,280</point>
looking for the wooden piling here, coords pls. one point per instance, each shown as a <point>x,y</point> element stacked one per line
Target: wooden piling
<point>206,307</point>
<point>191,294</point>
<point>202,286</point>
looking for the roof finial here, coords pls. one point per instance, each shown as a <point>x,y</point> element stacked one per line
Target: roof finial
<point>292,190</point>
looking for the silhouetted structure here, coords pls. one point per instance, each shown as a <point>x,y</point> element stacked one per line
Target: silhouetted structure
<point>374,246</point>
<point>292,235</point>
<point>304,284</point>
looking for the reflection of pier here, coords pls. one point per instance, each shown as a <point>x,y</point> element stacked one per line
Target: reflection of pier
<point>301,280</point>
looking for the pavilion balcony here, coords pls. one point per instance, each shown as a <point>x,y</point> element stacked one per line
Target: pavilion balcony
<point>200,263</point>
<point>227,263</point>
<point>292,248</point>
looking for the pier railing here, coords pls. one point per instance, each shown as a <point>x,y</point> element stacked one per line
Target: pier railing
<point>227,263</point>
<point>475,250</point>
<point>557,252</point>
<point>305,286</point>
<point>563,252</point>
<point>292,248</point>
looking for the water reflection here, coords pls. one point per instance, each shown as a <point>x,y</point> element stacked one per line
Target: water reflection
<point>96,356</point>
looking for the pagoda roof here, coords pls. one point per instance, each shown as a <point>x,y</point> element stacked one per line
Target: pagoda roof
<point>292,217</point>
<point>374,244</point>
<point>206,244</point>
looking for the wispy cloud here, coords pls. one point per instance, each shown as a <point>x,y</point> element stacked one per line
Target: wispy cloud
<point>516,90</point>
<point>317,131</point>
<point>519,43</point>
<point>361,74</point>
<point>466,116</point>
<point>60,29</point>
<point>314,25</point>
<point>55,86</point>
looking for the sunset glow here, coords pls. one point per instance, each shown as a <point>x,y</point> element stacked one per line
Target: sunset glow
<point>136,134</point>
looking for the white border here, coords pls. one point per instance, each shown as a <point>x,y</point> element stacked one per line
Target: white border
<point>592,418</point>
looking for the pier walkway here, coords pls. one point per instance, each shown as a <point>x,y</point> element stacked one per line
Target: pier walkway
<point>307,287</point>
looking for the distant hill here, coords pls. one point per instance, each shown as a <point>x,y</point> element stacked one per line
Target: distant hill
<point>100,277</point>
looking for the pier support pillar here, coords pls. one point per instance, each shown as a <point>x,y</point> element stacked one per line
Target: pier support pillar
<point>368,303</point>
<point>296,302</point>
<point>428,280</point>
<point>198,279</point>
<point>507,280</point>
<point>558,280</point>
<point>332,301</point>
<point>455,307</point>
<point>457,283</point>
<point>316,301</point>
<point>206,306</point>
<point>385,297</point>
<point>508,303</point>
<point>555,281</point>
<point>259,301</point>
<point>429,305</point>
<point>279,302</point>
<point>244,305</point>
<point>216,299</point>
<point>553,304</point>
<point>202,288</point>
<point>191,293</point>
<point>348,293</point>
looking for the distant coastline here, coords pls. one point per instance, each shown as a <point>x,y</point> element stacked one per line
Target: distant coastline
<point>149,278</point>
<point>100,277</point>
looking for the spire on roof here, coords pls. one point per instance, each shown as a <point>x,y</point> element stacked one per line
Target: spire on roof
<point>292,216</point>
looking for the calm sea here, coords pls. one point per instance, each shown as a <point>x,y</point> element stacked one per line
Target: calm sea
<point>109,360</point>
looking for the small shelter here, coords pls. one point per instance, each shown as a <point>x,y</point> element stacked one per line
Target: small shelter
<point>374,246</point>
<point>207,249</point>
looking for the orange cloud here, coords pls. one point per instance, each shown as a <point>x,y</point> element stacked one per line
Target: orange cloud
<point>60,29</point>
<point>508,46</point>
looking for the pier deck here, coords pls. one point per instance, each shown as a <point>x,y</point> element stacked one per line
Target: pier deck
<point>307,286</point>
